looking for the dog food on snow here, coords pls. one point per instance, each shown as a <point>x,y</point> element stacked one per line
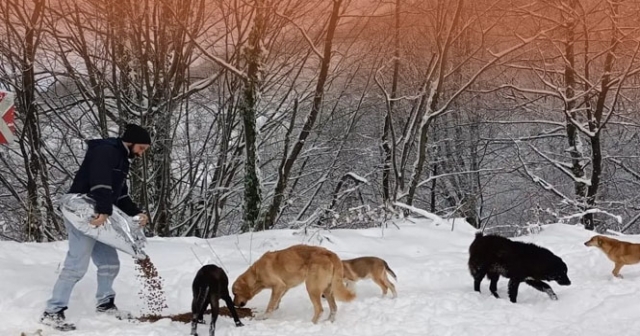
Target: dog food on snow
<point>152,291</point>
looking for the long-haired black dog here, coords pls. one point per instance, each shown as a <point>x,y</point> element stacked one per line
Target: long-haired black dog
<point>209,286</point>
<point>494,256</point>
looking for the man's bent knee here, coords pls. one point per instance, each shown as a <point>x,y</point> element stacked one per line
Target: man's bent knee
<point>108,270</point>
<point>71,274</point>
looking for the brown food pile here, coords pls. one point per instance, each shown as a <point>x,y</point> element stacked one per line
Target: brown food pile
<point>186,317</point>
<point>152,291</point>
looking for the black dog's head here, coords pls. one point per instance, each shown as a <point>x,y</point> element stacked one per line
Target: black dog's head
<point>558,272</point>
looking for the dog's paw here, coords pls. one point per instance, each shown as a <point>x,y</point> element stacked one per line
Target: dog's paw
<point>262,317</point>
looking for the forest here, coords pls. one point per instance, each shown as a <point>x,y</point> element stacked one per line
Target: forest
<point>324,114</point>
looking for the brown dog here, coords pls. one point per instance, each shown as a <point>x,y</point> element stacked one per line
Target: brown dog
<point>320,269</point>
<point>620,252</point>
<point>369,268</point>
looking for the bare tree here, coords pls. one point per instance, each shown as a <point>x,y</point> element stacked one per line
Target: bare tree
<point>445,79</point>
<point>23,34</point>
<point>272,212</point>
<point>253,56</point>
<point>589,88</point>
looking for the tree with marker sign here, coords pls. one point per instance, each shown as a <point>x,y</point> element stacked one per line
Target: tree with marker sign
<point>7,128</point>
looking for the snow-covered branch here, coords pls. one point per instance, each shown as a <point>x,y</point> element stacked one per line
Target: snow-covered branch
<point>591,211</point>
<point>434,177</point>
<point>435,218</point>
<point>541,182</point>
<point>563,167</point>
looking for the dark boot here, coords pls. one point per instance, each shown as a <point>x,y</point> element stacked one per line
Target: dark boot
<point>109,308</point>
<point>57,321</point>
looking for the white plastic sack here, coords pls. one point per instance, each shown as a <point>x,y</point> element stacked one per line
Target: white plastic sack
<point>119,231</point>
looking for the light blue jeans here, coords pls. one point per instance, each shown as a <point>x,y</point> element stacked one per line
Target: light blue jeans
<point>81,249</point>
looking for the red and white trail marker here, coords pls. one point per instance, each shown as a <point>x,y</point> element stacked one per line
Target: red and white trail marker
<point>7,111</point>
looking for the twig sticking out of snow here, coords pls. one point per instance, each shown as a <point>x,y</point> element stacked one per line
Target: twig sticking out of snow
<point>36,333</point>
<point>217,257</point>
<point>196,255</point>
<point>484,226</point>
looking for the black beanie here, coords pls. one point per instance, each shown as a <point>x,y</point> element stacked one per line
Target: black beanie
<point>136,135</point>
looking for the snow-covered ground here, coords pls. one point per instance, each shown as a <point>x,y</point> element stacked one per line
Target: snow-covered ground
<point>435,289</point>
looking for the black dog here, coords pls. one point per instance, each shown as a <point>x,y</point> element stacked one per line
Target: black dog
<point>209,286</point>
<point>494,256</point>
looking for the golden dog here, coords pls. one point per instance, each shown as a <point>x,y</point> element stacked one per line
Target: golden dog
<point>320,269</point>
<point>620,252</point>
<point>369,268</point>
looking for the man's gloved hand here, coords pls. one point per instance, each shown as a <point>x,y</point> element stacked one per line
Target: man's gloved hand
<point>99,220</point>
<point>144,219</point>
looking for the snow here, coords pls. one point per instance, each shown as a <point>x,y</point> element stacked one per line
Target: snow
<point>435,290</point>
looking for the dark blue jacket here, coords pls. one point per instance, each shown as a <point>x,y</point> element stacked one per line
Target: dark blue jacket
<point>103,176</point>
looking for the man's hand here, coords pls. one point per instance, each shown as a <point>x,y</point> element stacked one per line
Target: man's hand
<point>99,220</point>
<point>144,219</point>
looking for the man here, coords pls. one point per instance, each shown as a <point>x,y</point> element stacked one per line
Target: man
<point>102,176</point>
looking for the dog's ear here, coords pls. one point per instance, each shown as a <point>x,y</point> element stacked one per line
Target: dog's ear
<point>599,241</point>
<point>255,275</point>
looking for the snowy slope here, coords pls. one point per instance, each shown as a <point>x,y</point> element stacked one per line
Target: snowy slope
<point>435,290</point>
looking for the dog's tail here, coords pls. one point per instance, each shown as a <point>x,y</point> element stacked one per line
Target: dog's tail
<point>341,292</point>
<point>200,301</point>
<point>386,266</point>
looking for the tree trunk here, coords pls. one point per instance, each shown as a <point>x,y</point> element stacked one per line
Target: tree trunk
<point>388,153</point>
<point>572,133</point>
<point>248,106</point>
<point>595,120</point>
<point>161,166</point>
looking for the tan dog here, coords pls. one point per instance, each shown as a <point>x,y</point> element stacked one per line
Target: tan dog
<point>369,268</point>
<point>320,269</point>
<point>620,252</point>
